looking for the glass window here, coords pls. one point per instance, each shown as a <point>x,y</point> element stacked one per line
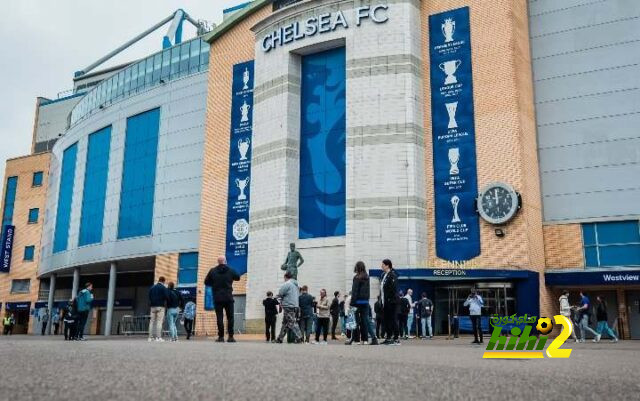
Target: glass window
<point>141,74</point>
<point>188,268</point>
<point>9,201</point>
<point>194,58</point>
<point>166,63</point>
<point>134,77</point>
<point>33,215</point>
<point>127,81</point>
<point>37,179</point>
<point>157,67</point>
<point>184,58</point>
<point>614,243</point>
<point>175,60</point>
<point>20,286</point>
<point>204,56</point>
<point>149,72</point>
<point>120,84</point>
<point>65,198</point>
<point>29,251</point>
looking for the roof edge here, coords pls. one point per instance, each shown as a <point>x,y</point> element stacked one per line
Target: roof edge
<point>234,20</point>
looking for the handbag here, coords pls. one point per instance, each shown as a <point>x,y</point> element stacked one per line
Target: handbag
<point>350,322</point>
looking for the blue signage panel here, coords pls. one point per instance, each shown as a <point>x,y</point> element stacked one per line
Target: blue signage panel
<point>582,278</point>
<point>453,128</point>
<point>188,292</point>
<point>18,306</point>
<point>7,247</point>
<point>240,167</point>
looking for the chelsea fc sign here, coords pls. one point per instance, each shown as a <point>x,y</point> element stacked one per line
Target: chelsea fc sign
<point>323,23</point>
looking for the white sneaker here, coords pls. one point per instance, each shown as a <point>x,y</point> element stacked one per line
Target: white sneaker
<point>598,338</point>
<point>323,343</point>
<point>160,340</point>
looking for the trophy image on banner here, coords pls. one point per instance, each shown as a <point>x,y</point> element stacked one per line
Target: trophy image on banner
<point>454,158</point>
<point>451,109</point>
<point>242,184</point>
<point>244,110</point>
<point>448,28</point>
<point>454,202</point>
<point>450,67</point>
<point>243,147</point>
<point>245,79</point>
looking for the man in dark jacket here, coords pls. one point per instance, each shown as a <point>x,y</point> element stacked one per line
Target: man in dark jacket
<point>271,306</point>
<point>221,279</point>
<point>378,309</point>
<point>306,313</point>
<point>390,300</point>
<point>158,297</point>
<point>334,310</point>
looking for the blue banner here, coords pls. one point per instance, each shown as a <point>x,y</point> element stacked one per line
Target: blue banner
<point>7,247</point>
<point>240,167</point>
<point>454,148</point>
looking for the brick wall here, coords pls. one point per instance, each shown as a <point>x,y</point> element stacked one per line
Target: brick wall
<point>563,246</point>
<point>167,266</point>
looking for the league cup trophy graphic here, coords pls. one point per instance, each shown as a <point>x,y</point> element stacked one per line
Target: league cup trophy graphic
<point>242,184</point>
<point>245,79</point>
<point>448,28</point>
<point>243,147</point>
<point>454,158</point>
<point>450,68</point>
<point>244,109</point>
<point>454,202</point>
<point>451,109</point>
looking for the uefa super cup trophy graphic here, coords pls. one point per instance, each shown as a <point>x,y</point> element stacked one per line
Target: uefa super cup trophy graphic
<point>242,184</point>
<point>450,67</point>
<point>243,147</point>
<point>245,79</point>
<point>454,158</point>
<point>454,202</point>
<point>448,28</point>
<point>451,109</point>
<point>244,110</point>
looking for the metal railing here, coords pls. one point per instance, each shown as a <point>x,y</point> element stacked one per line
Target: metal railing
<point>204,324</point>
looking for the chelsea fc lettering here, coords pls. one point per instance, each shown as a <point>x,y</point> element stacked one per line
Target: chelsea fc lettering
<point>323,23</point>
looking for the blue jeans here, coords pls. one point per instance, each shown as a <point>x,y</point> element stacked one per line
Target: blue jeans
<point>343,324</point>
<point>172,316</point>
<point>584,326</point>
<point>409,323</point>
<point>426,323</point>
<point>603,326</point>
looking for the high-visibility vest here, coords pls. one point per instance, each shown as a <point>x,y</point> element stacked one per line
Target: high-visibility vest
<point>7,321</point>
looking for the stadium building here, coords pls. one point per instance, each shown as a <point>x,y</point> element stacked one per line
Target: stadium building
<point>476,144</point>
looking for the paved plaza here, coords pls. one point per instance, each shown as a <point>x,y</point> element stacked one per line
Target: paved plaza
<point>50,369</point>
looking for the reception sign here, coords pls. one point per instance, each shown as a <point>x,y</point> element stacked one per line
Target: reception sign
<point>240,167</point>
<point>7,247</point>
<point>453,129</point>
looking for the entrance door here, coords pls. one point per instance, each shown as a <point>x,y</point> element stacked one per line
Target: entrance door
<point>633,311</point>
<point>22,321</point>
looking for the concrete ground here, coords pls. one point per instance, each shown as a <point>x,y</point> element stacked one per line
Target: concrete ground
<point>37,368</point>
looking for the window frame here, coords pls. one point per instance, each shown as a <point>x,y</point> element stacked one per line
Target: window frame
<point>13,281</point>
<point>33,179</point>
<point>597,246</point>
<point>37,212</point>
<point>33,253</point>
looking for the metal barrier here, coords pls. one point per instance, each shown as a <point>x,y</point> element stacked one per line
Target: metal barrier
<point>204,324</point>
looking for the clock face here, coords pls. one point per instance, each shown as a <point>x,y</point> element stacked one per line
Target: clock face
<point>498,203</point>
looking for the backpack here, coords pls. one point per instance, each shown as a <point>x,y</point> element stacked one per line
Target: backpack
<point>426,308</point>
<point>405,306</point>
<point>350,320</point>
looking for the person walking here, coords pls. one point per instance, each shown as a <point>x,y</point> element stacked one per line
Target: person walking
<point>425,309</point>
<point>158,298</point>
<point>44,319</point>
<point>390,300</point>
<point>189,315</point>
<point>83,306</point>
<point>55,320</point>
<point>174,303</point>
<point>70,320</point>
<point>289,298</point>
<point>584,313</point>
<point>270,316</point>
<point>403,315</point>
<point>221,279</point>
<point>334,311</point>
<point>603,320</point>
<point>410,316</point>
<point>565,310</point>
<point>322,324</point>
<point>360,293</point>
<point>306,313</point>
<point>378,309</point>
<point>475,302</point>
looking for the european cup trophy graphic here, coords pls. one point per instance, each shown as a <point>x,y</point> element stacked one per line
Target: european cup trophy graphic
<point>245,79</point>
<point>244,110</point>
<point>450,67</point>
<point>454,158</point>
<point>451,109</point>
<point>448,28</point>
<point>242,184</point>
<point>454,202</point>
<point>243,147</point>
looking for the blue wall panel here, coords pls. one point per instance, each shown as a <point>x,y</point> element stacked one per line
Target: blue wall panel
<point>9,200</point>
<point>139,175</point>
<point>65,198</point>
<point>95,187</point>
<point>322,145</point>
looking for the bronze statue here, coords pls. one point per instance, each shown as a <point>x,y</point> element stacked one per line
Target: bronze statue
<point>293,262</point>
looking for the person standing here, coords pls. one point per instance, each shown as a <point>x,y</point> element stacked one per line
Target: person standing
<point>221,279</point>
<point>70,320</point>
<point>55,320</point>
<point>584,312</point>
<point>403,315</point>
<point>83,306</point>
<point>565,310</point>
<point>412,305</point>
<point>360,293</point>
<point>425,308</point>
<point>189,316</point>
<point>7,324</point>
<point>334,311</point>
<point>306,313</point>
<point>603,320</point>
<point>474,302</point>
<point>343,317</point>
<point>322,324</point>
<point>44,319</point>
<point>390,300</point>
<point>289,297</point>
<point>377,308</point>
<point>174,303</point>
<point>270,316</point>
<point>158,297</point>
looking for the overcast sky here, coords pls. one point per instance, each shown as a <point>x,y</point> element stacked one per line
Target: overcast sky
<point>44,42</point>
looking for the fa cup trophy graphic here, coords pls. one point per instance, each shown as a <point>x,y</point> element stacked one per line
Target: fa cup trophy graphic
<point>454,202</point>
<point>244,110</point>
<point>242,184</point>
<point>245,79</point>
<point>450,68</point>
<point>451,109</point>
<point>454,158</point>
<point>448,28</point>
<point>243,147</point>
